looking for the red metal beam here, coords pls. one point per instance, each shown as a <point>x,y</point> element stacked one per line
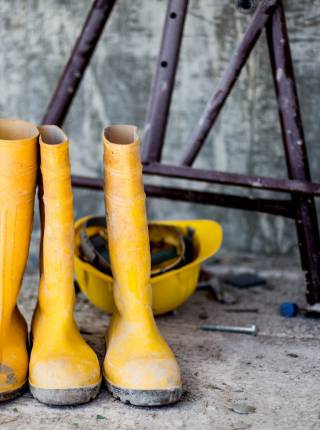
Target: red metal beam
<point>235,179</point>
<point>295,150</point>
<point>217,101</point>
<point>162,87</point>
<point>78,62</point>
<point>269,206</point>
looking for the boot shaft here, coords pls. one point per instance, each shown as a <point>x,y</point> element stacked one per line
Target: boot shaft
<point>18,167</point>
<point>123,169</point>
<point>18,161</point>
<point>128,237</point>
<point>57,232</point>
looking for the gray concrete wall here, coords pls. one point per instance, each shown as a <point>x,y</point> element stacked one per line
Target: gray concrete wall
<point>36,39</point>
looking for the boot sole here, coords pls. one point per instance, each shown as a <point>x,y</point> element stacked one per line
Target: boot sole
<point>145,397</point>
<point>65,396</point>
<point>10,395</point>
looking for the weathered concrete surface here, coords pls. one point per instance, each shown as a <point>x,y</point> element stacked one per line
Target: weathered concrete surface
<point>276,372</point>
<point>36,39</point>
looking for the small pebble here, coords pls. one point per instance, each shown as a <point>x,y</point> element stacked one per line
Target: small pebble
<point>203,316</point>
<point>242,426</point>
<point>239,390</point>
<point>243,408</point>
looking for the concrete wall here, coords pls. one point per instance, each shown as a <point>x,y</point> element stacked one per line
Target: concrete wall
<point>36,39</point>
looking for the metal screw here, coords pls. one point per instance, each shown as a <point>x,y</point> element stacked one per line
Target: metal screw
<point>252,329</point>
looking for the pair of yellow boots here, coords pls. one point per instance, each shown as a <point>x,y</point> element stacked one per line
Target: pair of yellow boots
<point>139,367</point>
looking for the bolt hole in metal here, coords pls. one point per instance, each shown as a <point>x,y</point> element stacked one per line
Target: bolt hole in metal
<point>173,15</point>
<point>246,6</point>
<point>164,64</point>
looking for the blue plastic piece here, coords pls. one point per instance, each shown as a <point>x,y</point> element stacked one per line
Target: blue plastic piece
<point>289,310</point>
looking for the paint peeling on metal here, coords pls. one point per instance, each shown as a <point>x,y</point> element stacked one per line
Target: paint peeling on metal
<point>279,74</point>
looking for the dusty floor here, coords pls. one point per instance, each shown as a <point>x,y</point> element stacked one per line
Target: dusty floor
<point>276,372</point>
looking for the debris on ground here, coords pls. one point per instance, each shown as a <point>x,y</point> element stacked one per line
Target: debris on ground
<point>244,280</point>
<point>243,408</point>
<point>252,329</point>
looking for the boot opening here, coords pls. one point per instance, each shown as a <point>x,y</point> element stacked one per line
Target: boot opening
<point>52,135</point>
<point>121,134</point>
<point>11,129</point>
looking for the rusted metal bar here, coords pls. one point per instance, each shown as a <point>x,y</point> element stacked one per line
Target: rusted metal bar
<point>295,149</point>
<point>215,104</point>
<point>87,182</point>
<point>235,179</point>
<point>270,206</point>
<point>78,62</point>
<point>162,87</point>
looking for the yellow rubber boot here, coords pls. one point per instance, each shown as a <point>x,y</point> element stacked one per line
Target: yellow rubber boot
<point>139,367</point>
<point>18,167</point>
<point>63,370</point>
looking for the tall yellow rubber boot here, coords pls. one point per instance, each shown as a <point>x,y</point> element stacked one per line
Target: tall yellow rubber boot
<point>63,370</point>
<point>139,366</point>
<point>18,169</point>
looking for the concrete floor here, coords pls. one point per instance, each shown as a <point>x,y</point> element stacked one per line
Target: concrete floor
<point>276,372</point>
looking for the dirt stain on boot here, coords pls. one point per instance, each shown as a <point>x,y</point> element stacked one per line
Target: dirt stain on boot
<point>7,375</point>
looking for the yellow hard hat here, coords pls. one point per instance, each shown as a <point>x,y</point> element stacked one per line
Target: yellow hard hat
<point>169,289</point>
<point>168,246</point>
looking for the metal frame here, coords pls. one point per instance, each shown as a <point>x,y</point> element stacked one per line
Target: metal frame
<point>300,206</point>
